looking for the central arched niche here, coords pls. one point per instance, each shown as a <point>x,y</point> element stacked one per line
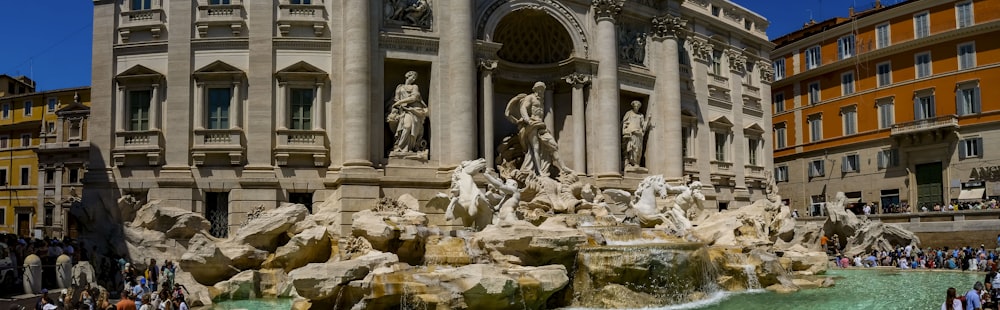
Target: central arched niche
<point>532,37</point>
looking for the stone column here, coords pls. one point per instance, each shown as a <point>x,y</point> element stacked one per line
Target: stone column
<point>57,215</point>
<point>664,154</point>
<point>236,107</point>
<point>318,111</point>
<point>486,75</point>
<point>457,36</point>
<point>281,119</point>
<point>40,204</point>
<point>357,85</point>
<point>579,81</point>
<point>154,108</point>
<point>121,118</point>
<point>199,106</point>
<point>607,148</point>
<point>550,112</point>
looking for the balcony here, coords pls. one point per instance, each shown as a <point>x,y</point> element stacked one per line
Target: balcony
<point>304,143</point>
<point>148,143</point>
<point>946,122</point>
<point>225,142</point>
<point>141,20</point>
<point>751,91</point>
<point>718,81</point>
<point>308,15</point>
<point>722,173</point>
<point>227,15</point>
<point>751,172</point>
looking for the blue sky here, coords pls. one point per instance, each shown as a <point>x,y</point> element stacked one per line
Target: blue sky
<point>52,43</point>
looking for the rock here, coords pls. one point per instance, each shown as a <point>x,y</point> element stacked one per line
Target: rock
<point>806,284</point>
<point>196,295</point>
<point>244,285</point>
<point>175,223</point>
<point>526,245</point>
<point>863,235</point>
<point>263,232</point>
<point>144,244</point>
<point>205,261</point>
<point>319,281</point>
<point>83,275</point>
<point>392,227</point>
<point>483,286</point>
<point>617,296</point>
<point>242,256</point>
<point>309,246</point>
<point>807,262</point>
<point>274,283</point>
<point>537,284</point>
<point>782,289</point>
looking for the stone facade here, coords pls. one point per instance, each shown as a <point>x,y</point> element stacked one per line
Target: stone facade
<point>222,108</point>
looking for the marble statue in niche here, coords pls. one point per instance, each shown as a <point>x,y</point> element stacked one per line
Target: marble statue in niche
<point>634,128</point>
<point>540,147</point>
<point>417,13</point>
<point>406,118</point>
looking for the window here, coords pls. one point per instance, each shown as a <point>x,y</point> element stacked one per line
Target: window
<point>218,107</point>
<point>845,46</point>
<point>682,53</point>
<point>715,10</point>
<point>850,163</point>
<point>966,56</point>
<point>888,158</point>
<point>74,175</point>
<point>850,117</point>
<point>142,5</point>
<point>720,146</point>
<point>27,108</point>
<point>6,110</point>
<point>779,68</point>
<point>50,175</point>
<point>816,168</point>
<point>779,102</point>
<point>25,175</point>
<point>882,36</point>
<point>301,106</point>
<point>686,142</point>
<point>301,1</point>
<point>3,176</point>
<point>815,128</point>
<point>885,114</point>
<point>26,140</point>
<point>51,127</point>
<point>780,136</point>
<point>753,146</point>
<point>814,93</point>
<point>52,105</point>
<point>923,107</point>
<point>781,174</point>
<point>813,57</point>
<point>970,148</point>
<point>963,14</point>
<point>921,25</point>
<point>717,62</point>
<point>847,83</point>
<point>217,2</point>
<point>138,109</point>
<point>923,63</point>
<point>3,216</point>
<point>4,142</point>
<point>884,74</point>
<point>967,99</point>
<point>749,76</point>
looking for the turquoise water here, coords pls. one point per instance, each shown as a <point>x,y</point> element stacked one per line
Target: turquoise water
<point>256,304</point>
<point>856,289</point>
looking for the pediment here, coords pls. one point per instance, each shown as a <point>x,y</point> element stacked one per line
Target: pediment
<point>301,71</point>
<point>753,129</point>
<point>721,121</point>
<point>139,74</point>
<point>218,70</point>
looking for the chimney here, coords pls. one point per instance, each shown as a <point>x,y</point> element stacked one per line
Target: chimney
<point>878,4</point>
<point>850,12</point>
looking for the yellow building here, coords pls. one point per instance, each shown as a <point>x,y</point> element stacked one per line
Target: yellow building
<point>34,124</point>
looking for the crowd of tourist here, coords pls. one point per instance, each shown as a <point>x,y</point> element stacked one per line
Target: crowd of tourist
<point>152,288</point>
<point>980,297</point>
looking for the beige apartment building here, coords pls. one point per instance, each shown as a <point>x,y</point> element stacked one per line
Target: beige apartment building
<point>220,106</point>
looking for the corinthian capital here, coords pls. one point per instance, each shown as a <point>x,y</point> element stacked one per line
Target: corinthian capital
<point>668,26</point>
<point>737,61</point>
<point>607,8</point>
<point>577,79</point>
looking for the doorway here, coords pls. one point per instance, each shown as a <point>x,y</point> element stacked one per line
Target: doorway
<point>217,213</point>
<point>24,225</point>
<point>929,186</point>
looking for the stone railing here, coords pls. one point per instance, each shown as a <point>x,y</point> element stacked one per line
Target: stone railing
<point>927,124</point>
<point>217,136</point>
<point>225,142</point>
<point>226,15</point>
<point>751,90</point>
<point>751,171</point>
<point>718,81</point>
<point>146,143</point>
<point>722,167</point>
<point>141,20</point>
<point>302,143</point>
<point>138,138</point>
<point>309,15</point>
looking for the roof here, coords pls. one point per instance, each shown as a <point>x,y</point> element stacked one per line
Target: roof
<point>813,27</point>
<point>42,93</point>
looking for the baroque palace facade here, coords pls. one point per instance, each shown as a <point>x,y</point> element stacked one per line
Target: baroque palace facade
<point>43,157</point>
<point>223,106</point>
<point>891,106</point>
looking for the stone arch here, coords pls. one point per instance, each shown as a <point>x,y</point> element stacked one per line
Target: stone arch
<point>489,19</point>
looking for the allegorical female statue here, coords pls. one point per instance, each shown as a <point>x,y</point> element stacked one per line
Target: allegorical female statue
<point>634,127</point>
<point>406,118</point>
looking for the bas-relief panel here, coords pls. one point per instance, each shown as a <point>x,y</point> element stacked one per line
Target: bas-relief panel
<point>236,58</point>
<point>156,62</point>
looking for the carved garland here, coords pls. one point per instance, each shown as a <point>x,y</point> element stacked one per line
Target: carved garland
<point>668,26</point>
<point>577,79</point>
<point>559,8</point>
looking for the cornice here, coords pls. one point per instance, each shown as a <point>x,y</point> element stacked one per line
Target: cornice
<point>302,44</point>
<point>423,45</point>
<point>907,46</point>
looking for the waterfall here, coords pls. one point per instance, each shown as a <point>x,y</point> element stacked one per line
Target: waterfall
<point>753,283</point>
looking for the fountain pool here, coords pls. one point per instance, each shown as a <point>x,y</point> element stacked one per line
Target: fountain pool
<point>254,304</point>
<point>854,289</point>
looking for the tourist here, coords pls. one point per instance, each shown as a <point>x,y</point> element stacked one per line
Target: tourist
<point>845,262</point>
<point>179,304</point>
<point>152,276</point>
<point>972,300</point>
<point>145,303</point>
<point>951,301</point>
<point>987,296</point>
<point>125,303</point>
<point>868,209</point>
<point>86,299</point>
<point>823,241</point>
<point>47,303</point>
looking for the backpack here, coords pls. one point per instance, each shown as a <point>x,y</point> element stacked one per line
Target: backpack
<point>962,298</point>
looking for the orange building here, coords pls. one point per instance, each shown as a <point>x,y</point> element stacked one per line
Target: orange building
<point>894,106</point>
